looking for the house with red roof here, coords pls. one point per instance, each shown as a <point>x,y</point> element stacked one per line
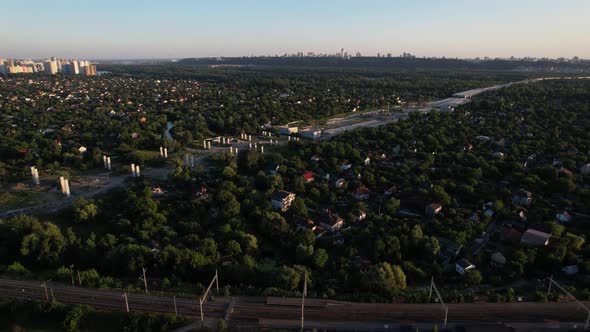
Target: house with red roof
<point>362,193</point>
<point>433,209</point>
<point>308,177</point>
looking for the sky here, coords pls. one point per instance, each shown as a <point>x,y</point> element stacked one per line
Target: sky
<point>172,29</point>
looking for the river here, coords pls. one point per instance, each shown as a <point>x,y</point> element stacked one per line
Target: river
<point>169,126</point>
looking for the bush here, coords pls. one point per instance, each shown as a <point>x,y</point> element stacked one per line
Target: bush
<point>75,317</point>
<point>17,269</point>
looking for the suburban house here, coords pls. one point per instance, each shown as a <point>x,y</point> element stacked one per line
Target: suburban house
<point>498,154</point>
<point>308,224</point>
<point>367,161</point>
<point>468,147</point>
<point>564,172</point>
<point>510,235</point>
<point>329,221</point>
<point>463,266</point>
<point>498,260</point>
<point>362,193</point>
<point>156,191</point>
<point>563,216</point>
<point>390,191</point>
<point>339,183</point>
<point>523,198</point>
<point>308,177</point>
<point>448,249</point>
<point>346,167</point>
<point>534,237</point>
<point>570,270</point>
<point>359,215</point>
<point>281,200</point>
<point>432,209</point>
<point>82,149</point>
<point>273,169</point>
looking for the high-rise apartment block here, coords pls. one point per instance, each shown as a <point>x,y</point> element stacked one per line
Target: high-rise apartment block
<point>49,66</point>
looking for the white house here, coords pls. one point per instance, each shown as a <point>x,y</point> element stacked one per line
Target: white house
<point>281,200</point>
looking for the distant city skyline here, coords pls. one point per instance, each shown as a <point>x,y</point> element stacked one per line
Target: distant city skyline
<point>174,29</point>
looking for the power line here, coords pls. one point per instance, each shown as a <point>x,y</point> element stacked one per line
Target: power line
<point>303,300</point>
<point>204,298</point>
<point>72,273</point>
<point>553,282</point>
<point>126,302</point>
<point>144,280</point>
<point>175,308</point>
<point>445,308</point>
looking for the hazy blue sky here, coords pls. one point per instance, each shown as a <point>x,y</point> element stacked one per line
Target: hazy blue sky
<point>187,28</point>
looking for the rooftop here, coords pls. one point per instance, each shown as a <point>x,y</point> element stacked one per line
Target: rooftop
<point>280,195</point>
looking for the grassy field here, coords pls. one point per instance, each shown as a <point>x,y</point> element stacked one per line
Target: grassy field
<point>20,199</point>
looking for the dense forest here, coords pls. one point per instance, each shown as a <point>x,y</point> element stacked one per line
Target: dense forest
<point>389,62</point>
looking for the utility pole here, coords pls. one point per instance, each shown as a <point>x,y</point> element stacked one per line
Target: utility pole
<point>144,280</point>
<point>72,273</point>
<point>580,304</point>
<point>445,308</point>
<point>175,309</point>
<point>204,297</point>
<point>79,279</point>
<point>201,308</point>
<point>303,301</point>
<point>126,302</point>
<point>216,281</point>
<point>44,285</point>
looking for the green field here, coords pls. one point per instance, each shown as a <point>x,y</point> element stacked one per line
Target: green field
<point>21,199</point>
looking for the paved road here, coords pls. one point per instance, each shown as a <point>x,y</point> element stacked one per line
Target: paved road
<point>260,311</point>
<point>459,98</point>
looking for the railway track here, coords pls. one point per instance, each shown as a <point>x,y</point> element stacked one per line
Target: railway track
<point>255,309</point>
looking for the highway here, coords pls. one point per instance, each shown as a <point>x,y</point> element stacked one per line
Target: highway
<point>259,311</point>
